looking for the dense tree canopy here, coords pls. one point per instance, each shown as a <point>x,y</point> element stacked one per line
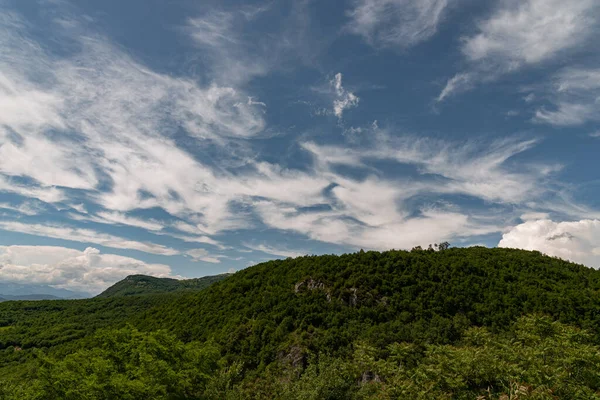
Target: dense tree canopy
<point>456,323</point>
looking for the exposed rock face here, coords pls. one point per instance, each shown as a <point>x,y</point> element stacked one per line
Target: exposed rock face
<point>369,376</point>
<point>295,356</point>
<point>311,284</point>
<point>353,297</point>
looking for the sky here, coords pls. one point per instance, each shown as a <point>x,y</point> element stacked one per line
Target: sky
<point>179,138</point>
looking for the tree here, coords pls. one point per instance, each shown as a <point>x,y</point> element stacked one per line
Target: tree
<point>443,246</point>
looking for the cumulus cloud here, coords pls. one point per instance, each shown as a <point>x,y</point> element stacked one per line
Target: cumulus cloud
<point>520,34</point>
<point>87,271</point>
<point>343,98</point>
<point>396,23</point>
<point>575,241</point>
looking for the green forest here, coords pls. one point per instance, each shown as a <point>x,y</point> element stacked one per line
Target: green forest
<point>459,323</point>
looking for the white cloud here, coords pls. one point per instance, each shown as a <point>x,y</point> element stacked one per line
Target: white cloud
<point>575,93</point>
<point>202,255</point>
<point>459,82</point>
<point>396,23</point>
<point>25,208</point>
<point>523,33</point>
<point>531,31</point>
<point>88,271</point>
<point>343,98</point>
<point>474,168</point>
<point>595,134</point>
<point>120,117</point>
<point>85,236</point>
<point>44,193</point>
<point>234,59</point>
<point>575,241</point>
<point>534,216</point>
<point>123,115</point>
<point>283,252</point>
<point>117,218</point>
<point>374,212</point>
<point>335,227</point>
<point>112,126</point>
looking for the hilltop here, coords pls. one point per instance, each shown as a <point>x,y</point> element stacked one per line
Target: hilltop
<point>467,322</point>
<point>328,302</point>
<point>135,285</point>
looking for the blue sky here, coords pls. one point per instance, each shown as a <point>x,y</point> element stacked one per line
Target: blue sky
<point>184,138</point>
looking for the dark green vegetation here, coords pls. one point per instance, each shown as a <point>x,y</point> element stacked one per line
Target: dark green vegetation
<point>457,323</point>
<point>135,285</point>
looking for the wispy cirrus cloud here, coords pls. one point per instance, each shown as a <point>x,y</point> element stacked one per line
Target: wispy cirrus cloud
<point>202,255</point>
<point>521,34</point>
<point>26,208</point>
<point>88,271</point>
<point>176,154</point>
<point>575,94</point>
<point>83,235</point>
<point>117,218</point>
<point>234,59</point>
<point>379,212</point>
<point>277,251</point>
<point>396,23</point>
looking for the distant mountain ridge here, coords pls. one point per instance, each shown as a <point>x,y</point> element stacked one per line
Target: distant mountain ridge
<point>30,297</point>
<point>24,291</point>
<point>135,285</point>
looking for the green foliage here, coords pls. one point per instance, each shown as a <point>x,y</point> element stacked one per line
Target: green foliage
<point>125,364</point>
<point>135,285</point>
<point>328,302</point>
<point>421,325</point>
<point>536,359</point>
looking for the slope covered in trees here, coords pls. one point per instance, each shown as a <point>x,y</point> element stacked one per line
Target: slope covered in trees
<point>457,323</point>
<point>327,302</point>
<point>135,285</point>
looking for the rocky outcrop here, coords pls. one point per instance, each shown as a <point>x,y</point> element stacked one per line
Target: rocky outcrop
<point>312,284</point>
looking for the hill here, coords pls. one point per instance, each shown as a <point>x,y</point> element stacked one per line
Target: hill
<point>457,323</point>
<point>327,302</point>
<point>135,285</point>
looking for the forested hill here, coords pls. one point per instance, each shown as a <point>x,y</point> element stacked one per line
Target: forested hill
<point>134,285</point>
<point>461,323</point>
<point>327,302</point>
